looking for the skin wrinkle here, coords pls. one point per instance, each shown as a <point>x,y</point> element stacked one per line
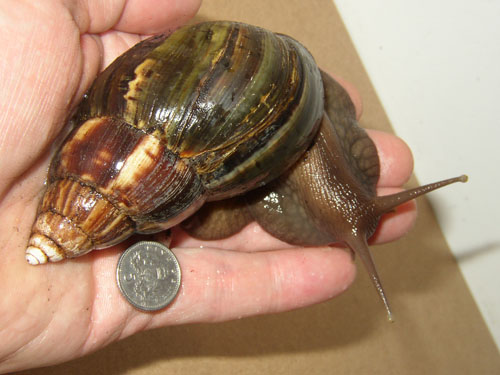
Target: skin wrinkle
<point>79,14</point>
<point>90,44</point>
<point>92,337</point>
<point>276,279</point>
<point>13,102</point>
<point>29,324</point>
<point>216,282</point>
<point>216,293</point>
<point>89,19</point>
<point>135,322</point>
<point>20,331</point>
<point>42,332</point>
<point>69,298</point>
<point>39,75</point>
<point>221,291</point>
<point>100,307</point>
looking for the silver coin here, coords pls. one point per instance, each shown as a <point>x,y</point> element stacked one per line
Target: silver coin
<point>148,275</point>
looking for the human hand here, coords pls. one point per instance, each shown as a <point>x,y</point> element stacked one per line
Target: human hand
<point>56,312</point>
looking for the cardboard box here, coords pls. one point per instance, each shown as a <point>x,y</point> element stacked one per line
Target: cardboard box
<point>438,329</point>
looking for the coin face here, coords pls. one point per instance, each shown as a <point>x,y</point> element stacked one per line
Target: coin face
<point>148,275</point>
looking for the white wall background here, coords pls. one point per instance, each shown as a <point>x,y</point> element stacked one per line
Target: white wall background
<point>436,66</point>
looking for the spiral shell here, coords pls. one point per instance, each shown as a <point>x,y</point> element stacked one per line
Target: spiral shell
<point>208,112</point>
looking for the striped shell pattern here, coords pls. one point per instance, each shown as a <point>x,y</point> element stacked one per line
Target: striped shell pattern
<point>209,112</point>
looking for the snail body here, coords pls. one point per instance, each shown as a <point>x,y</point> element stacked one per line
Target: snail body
<point>211,112</point>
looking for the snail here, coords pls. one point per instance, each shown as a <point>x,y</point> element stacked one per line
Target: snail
<point>222,113</point>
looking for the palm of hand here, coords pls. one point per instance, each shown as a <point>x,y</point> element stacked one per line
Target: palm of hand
<point>57,312</point>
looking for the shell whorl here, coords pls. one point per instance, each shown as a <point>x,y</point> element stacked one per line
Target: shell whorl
<point>98,201</point>
<point>83,218</point>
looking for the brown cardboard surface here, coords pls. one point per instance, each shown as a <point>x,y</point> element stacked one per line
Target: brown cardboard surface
<point>438,329</point>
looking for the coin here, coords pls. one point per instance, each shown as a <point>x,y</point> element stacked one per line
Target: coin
<point>148,275</point>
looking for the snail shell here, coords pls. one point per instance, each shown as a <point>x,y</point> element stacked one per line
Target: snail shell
<point>207,113</point>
